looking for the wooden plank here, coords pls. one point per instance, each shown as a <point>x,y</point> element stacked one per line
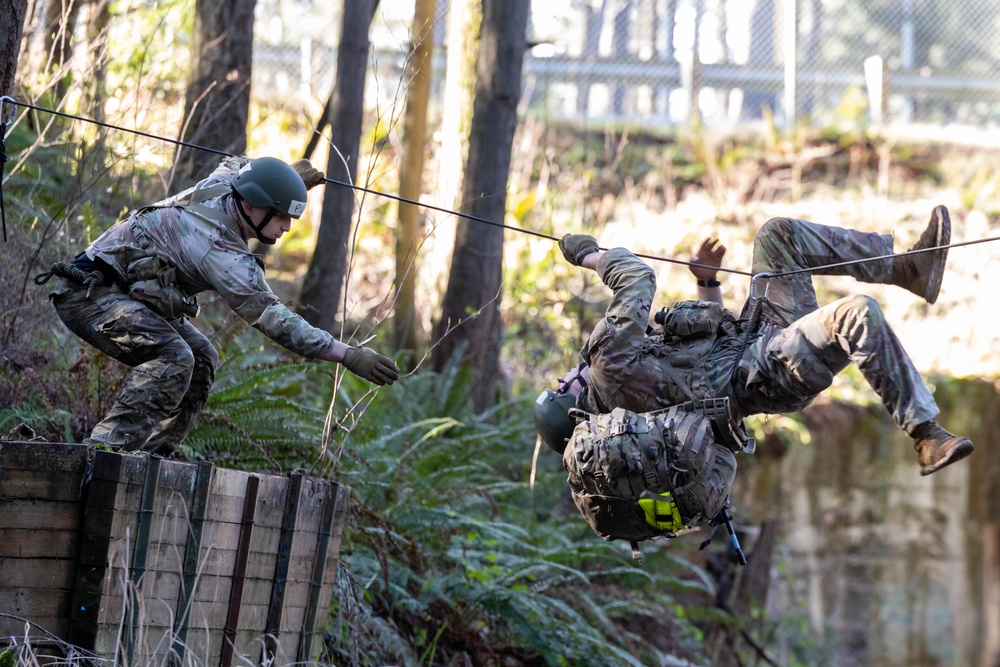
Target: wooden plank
<point>330,581</point>
<point>257,591</point>
<point>309,629</point>
<point>239,572</point>
<point>97,547</point>
<point>219,536</point>
<point>234,539</point>
<point>292,622</point>
<point>52,456</point>
<point>253,618</point>
<point>300,566</point>
<point>276,606</point>
<point>313,494</point>
<point>161,585</point>
<point>25,513</point>
<point>39,542</point>
<point>271,502</point>
<point>213,588</point>
<point>202,485</point>
<point>37,627</point>
<point>166,557</point>
<point>32,603</point>
<point>41,484</point>
<point>266,539</point>
<point>203,647</point>
<point>56,573</point>
<point>211,615</point>
<point>178,476</point>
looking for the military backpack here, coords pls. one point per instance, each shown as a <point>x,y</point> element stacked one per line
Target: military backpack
<point>636,476</point>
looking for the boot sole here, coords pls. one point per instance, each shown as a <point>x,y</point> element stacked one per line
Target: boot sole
<point>962,448</point>
<point>941,256</point>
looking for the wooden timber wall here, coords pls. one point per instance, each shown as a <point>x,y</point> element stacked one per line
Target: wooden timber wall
<point>146,561</point>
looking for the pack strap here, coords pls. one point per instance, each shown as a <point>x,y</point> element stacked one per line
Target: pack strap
<point>677,379</point>
<point>728,432</point>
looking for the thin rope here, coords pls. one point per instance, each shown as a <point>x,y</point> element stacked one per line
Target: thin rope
<point>476,218</point>
<point>359,188</point>
<point>879,257</point>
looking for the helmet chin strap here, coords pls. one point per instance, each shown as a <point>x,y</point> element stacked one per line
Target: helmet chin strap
<point>257,229</point>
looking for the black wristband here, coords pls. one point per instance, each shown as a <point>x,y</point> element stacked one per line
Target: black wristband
<point>711,282</point>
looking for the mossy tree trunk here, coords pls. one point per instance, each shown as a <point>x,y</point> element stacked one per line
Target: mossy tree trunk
<point>411,173</point>
<point>217,101</point>
<point>11,29</point>
<point>321,289</point>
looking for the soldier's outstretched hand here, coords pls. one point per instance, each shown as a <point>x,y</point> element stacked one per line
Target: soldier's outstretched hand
<point>309,174</point>
<point>370,365</point>
<point>709,254</point>
<point>575,247</point>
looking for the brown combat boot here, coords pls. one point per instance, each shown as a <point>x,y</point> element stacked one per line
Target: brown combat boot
<point>921,273</point>
<point>937,448</point>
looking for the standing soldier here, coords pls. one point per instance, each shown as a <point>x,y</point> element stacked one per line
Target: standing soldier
<point>131,292</point>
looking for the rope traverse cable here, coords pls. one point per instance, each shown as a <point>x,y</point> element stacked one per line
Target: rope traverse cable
<point>4,100</point>
<point>345,184</point>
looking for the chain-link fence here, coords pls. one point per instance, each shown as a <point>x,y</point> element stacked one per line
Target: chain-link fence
<point>661,62</point>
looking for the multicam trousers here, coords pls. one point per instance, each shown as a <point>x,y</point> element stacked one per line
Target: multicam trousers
<point>173,366</point>
<point>803,347</point>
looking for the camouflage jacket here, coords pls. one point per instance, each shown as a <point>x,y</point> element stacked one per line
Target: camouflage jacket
<point>639,369</point>
<point>210,254</point>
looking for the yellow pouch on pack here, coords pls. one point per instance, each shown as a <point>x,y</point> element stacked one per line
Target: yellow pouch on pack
<point>661,511</point>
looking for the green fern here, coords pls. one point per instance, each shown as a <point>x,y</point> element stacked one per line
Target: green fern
<point>447,550</point>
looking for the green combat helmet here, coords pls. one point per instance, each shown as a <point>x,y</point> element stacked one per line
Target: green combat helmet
<point>552,420</point>
<point>267,182</point>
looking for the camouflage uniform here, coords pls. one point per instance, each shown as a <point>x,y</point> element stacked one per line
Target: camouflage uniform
<point>799,348</point>
<point>173,364</point>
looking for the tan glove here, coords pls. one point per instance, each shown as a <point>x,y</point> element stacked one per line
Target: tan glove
<point>371,365</point>
<point>309,174</point>
<point>575,247</point>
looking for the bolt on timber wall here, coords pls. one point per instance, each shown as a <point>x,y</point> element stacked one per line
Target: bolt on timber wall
<point>147,561</point>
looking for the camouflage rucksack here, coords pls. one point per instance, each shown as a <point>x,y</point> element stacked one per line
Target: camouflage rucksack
<point>635,476</point>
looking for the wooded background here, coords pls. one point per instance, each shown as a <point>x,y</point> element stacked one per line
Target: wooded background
<point>458,551</point>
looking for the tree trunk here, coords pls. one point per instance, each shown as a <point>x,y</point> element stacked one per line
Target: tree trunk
<point>97,34</point>
<point>11,29</point>
<point>218,98</point>
<point>411,173</point>
<point>321,287</point>
<point>475,281</point>
<point>464,18</point>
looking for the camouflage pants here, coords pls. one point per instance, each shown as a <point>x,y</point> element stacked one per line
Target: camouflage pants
<point>803,347</point>
<point>784,244</point>
<point>173,366</point>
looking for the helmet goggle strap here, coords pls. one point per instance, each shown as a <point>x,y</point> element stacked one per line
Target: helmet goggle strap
<point>257,229</point>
